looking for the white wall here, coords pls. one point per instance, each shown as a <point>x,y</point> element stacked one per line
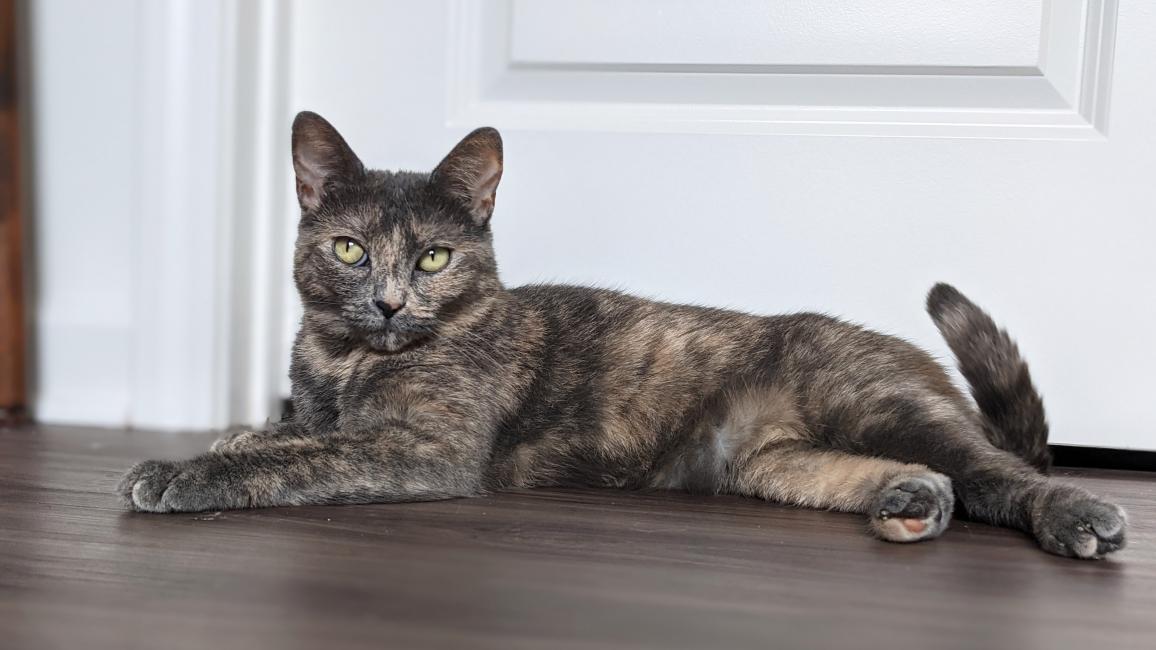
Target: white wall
<point>85,199</point>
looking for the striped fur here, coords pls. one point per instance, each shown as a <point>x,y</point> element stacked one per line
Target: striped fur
<point>472,387</point>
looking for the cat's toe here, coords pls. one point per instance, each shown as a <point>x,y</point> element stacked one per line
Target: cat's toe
<point>1073,523</point>
<point>235,441</point>
<point>913,508</point>
<point>204,483</point>
<point>143,487</point>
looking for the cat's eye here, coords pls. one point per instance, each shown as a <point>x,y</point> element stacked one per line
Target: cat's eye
<point>434,260</point>
<point>349,251</point>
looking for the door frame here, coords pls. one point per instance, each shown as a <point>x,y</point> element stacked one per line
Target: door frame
<point>13,328</point>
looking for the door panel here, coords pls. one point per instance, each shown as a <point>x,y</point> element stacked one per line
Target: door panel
<point>757,32</point>
<point>1046,78</point>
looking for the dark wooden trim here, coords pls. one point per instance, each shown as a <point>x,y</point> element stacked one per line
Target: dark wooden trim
<point>13,342</point>
<point>1100,458</point>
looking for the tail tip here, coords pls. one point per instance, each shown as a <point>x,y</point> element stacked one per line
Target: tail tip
<point>942,297</point>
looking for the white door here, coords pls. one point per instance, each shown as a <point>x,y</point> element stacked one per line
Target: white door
<point>764,155</point>
<point>782,156</point>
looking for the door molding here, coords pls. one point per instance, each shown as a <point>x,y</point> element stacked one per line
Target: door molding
<point>1063,97</point>
<point>212,138</point>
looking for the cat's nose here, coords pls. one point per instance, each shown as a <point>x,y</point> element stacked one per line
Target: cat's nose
<point>388,309</point>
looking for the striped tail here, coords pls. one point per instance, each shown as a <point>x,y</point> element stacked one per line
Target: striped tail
<point>1012,410</point>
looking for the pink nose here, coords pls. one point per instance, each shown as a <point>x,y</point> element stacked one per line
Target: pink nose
<point>388,309</point>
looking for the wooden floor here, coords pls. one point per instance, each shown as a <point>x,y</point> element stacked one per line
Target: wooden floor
<point>528,569</point>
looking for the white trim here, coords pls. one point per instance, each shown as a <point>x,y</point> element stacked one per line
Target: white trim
<point>1098,63</point>
<point>174,367</point>
<point>1064,98</point>
<point>210,214</point>
<point>259,212</point>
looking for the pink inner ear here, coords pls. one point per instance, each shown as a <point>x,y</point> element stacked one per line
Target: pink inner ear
<point>308,195</point>
<point>305,191</point>
<point>483,192</point>
<point>488,181</point>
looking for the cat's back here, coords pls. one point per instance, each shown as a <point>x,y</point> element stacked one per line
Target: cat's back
<point>572,301</point>
<point>583,312</point>
<point>616,352</point>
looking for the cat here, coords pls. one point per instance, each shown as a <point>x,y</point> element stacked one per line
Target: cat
<point>416,376</point>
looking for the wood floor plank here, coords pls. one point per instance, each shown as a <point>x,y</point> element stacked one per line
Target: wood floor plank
<point>528,569</point>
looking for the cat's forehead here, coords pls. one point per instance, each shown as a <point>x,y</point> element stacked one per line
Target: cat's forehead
<point>399,226</point>
<point>409,234</point>
<point>397,210</point>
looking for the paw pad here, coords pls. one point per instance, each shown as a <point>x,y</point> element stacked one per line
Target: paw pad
<point>913,508</point>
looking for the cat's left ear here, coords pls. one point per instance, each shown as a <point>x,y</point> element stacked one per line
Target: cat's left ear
<point>471,172</point>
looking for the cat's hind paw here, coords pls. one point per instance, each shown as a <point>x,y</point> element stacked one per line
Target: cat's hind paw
<point>1068,521</point>
<point>912,508</point>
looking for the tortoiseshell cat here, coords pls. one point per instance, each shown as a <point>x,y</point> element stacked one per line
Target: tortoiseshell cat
<point>417,375</point>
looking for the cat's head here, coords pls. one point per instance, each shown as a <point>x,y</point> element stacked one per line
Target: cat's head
<point>386,259</point>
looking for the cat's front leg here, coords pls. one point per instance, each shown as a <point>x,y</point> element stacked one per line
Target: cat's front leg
<point>239,439</point>
<point>330,469</point>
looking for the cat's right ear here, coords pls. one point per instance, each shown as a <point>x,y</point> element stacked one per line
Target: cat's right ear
<point>321,159</point>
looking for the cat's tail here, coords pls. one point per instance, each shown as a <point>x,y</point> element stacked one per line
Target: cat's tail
<point>1012,410</point>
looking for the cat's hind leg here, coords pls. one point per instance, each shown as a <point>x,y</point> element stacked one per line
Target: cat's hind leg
<point>904,502</point>
<point>996,486</point>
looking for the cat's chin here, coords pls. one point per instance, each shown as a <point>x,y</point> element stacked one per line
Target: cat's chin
<point>392,341</point>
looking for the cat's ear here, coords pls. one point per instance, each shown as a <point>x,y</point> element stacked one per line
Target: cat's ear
<point>470,173</point>
<point>320,158</point>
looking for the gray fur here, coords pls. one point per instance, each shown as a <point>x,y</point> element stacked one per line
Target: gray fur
<point>473,387</point>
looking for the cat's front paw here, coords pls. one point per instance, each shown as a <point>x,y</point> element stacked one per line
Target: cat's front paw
<point>913,508</point>
<point>237,440</point>
<point>181,486</point>
<point>1068,521</point>
<point>143,487</point>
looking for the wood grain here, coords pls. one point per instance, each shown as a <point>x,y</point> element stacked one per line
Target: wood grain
<point>528,569</point>
<point>12,340</point>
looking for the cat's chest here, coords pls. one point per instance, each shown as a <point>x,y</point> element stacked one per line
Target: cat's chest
<point>376,389</point>
<point>426,393</point>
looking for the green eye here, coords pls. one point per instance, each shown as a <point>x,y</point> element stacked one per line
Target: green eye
<point>349,251</point>
<point>434,260</point>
